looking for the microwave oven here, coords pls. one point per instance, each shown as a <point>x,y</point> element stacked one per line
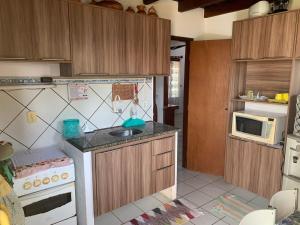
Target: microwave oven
<point>259,126</point>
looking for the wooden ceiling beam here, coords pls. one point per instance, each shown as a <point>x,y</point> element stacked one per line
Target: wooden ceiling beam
<point>147,2</point>
<point>227,7</point>
<point>186,5</point>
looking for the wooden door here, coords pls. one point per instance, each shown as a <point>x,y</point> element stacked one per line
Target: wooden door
<point>108,190</point>
<point>16,29</point>
<point>163,47</point>
<point>280,35</point>
<point>210,63</point>
<point>297,52</point>
<point>270,174</point>
<point>51,30</point>
<point>137,46</point>
<point>113,22</point>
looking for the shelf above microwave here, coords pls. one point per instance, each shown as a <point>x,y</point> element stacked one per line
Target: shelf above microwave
<point>261,102</point>
<point>278,146</point>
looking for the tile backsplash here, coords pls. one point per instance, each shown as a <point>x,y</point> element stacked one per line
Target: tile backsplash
<point>52,106</point>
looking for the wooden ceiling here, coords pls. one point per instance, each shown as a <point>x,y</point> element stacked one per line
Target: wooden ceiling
<point>211,7</point>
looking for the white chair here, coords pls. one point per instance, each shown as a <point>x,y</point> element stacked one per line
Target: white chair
<point>260,217</point>
<point>285,202</point>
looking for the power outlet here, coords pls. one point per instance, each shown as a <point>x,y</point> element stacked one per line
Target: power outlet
<point>31,117</point>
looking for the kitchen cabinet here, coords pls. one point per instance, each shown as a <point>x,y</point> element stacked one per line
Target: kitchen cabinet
<point>297,51</point>
<point>280,35</point>
<point>34,30</point>
<point>270,36</point>
<point>16,19</point>
<point>51,30</point>
<point>129,173</point>
<point>253,166</point>
<point>106,41</point>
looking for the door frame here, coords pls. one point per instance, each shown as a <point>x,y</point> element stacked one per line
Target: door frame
<point>186,94</point>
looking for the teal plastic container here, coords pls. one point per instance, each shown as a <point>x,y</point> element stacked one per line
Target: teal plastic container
<point>71,128</point>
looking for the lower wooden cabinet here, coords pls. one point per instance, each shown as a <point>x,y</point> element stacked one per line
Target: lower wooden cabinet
<point>253,166</point>
<point>129,173</point>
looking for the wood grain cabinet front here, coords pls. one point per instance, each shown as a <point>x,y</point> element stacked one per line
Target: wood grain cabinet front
<point>129,173</point>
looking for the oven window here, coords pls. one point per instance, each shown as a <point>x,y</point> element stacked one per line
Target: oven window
<point>249,126</point>
<point>47,204</point>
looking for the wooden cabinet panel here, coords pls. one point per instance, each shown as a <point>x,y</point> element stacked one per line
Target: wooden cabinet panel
<point>297,52</point>
<point>253,167</point>
<point>113,22</point>
<point>16,19</point>
<point>163,145</point>
<point>164,160</point>
<point>164,178</point>
<point>163,47</point>
<point>51,30</point>
<point>107,174</point>
<point>280,35</point>
<point>270,174</point>
<point>122,176</point>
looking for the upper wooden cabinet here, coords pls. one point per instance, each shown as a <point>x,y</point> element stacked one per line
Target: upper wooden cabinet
<point>265,37</point>
<point>106,41</point>
<point>297,52</point>
<point>16,18</point>
<point>51,30</point>
<point>34,30</point>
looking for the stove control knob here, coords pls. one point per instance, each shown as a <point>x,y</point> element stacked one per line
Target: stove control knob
<point>54,178</point>
<point>64,176</point>
<point>46,180</point>
<point>37,183</point>
<point>27,186</point>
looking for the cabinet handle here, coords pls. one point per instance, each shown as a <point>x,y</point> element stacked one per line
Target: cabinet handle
<point>12,58</point>
<point>52,59</point>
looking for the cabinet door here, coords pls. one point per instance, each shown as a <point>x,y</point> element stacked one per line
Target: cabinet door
<point>113,22</point>
<point>163,47</point>
<point>16,29</point>
<point>164,178</point>
<point>51,30</point>
<point>280,35</point>
<point>270,174</point>
<point>297,53</point>
<point>107,172</point>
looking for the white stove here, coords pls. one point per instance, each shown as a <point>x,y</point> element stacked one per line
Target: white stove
<point>44,182</point>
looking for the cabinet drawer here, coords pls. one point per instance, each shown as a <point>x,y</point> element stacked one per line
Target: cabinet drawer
<point>164,160</point>
<point>163,145</point>
<point>164,178</point>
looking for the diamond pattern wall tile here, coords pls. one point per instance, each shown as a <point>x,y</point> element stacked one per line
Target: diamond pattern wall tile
<point>16,145</point>
<point>104,117</point>
<point>62,91</point>
<point>24,132</point>
<point>68,113</point>
<point>103,90</point>
<point>118,122</point>
<point>87,106</point>
<point>42,102</point>
<point>9,109</point>
<point>49,138</point>
<point>24,96</point>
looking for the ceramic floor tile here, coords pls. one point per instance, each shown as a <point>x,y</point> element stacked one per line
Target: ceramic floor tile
<point>198,198</point>
<point>184,189</point>
<point>162,198</point>
<point>182,175</point>
<point>206,219</point>
<point>210,206</point>
<point>191,173</point>
<point>243,193</point>
<point>220,223</point>
<point>107,219</point>
<point>208,177</point>
<point>223,185</point>
<point>127,212</point>
<point>212,191</point>
<point>148,203</point>
<point>197,182</point>
<point>188,203</point>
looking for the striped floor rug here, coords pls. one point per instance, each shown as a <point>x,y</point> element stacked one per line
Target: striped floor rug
<point>173,213</point>
<point>231,206</point>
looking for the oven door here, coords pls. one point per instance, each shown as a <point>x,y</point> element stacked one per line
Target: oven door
<point>50,206</point>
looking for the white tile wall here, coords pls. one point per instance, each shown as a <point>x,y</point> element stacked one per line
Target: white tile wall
<point>53,106</point>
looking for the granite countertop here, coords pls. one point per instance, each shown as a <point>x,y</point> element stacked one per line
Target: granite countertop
<point>101,139</point>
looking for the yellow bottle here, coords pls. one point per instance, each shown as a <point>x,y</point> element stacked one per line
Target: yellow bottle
<point>4,219</point>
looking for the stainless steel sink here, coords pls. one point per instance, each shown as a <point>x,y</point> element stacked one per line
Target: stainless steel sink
<point>125,132</point>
